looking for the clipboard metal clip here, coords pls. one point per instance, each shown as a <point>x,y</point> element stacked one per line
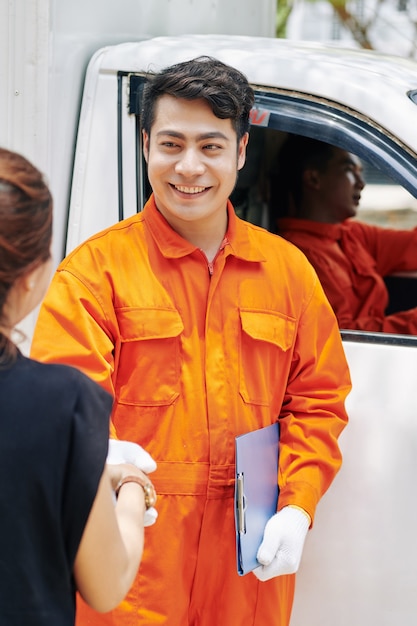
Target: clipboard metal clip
<point>240,504</point>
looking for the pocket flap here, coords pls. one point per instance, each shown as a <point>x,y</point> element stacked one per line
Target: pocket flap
<point>269,326</point>
<point>139,324</point>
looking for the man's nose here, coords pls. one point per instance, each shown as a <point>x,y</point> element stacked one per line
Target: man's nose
<point>190,163</point>
<point>360,181</point>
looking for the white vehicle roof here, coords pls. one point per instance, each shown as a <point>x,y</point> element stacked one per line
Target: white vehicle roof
<point>374,84</point>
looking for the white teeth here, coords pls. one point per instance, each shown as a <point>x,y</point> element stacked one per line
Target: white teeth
<point>189,190</point>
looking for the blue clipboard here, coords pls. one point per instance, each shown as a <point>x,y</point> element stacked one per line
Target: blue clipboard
<point>256,491</point>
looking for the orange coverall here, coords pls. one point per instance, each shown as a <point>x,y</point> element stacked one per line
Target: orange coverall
<point>195,354</point>
<point>351,260</point>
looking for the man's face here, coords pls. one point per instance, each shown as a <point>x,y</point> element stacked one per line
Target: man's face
<point>340,186</point>
<point>193,158</point>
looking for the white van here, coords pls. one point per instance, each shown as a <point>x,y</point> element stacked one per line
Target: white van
<point>360,561</point>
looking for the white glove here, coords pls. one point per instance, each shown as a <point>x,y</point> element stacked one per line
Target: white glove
<point>282,546</point>
<point>130,452</point>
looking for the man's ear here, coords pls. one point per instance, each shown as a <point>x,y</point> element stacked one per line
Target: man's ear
<point>145,143</point>
<point>311,178</point>
<point>241,151</point>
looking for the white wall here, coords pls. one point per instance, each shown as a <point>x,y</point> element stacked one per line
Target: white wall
<point>24,42</point>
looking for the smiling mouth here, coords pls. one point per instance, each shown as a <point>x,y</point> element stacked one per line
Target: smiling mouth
<point>189,190</point>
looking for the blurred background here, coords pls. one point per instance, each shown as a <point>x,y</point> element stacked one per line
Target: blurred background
<point>389,26</point>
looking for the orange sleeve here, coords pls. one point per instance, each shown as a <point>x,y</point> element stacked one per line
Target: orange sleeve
<point>313,413</point>
<point>76,335</point>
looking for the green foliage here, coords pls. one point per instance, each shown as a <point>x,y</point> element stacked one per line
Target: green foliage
<point>284,8</point>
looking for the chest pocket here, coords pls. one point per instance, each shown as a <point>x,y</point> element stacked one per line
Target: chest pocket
<point>265,354</point>
<point>149,365</point>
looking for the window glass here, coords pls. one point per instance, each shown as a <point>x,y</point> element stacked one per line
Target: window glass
<point>388,171</point>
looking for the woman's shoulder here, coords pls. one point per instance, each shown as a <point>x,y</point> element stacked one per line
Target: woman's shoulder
<point>54,371</point>
<point>58,380</point>
<point>51,405</point>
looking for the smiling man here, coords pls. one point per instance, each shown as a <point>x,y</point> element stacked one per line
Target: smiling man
<point>317,187</point>
<point>193,161</point>
<point>204,327</point>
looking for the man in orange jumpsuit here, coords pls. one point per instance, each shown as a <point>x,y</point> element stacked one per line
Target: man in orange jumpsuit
<point>204,327</point>
<point>319,187</point>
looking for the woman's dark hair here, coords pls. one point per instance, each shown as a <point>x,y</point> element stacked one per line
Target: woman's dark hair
<point>226,90</point>
<point>25,230</point>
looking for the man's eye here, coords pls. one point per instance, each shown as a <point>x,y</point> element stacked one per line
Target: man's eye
<point>212,146</point>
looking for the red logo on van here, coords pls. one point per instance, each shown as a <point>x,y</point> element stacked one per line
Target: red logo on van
<point>259,117</point>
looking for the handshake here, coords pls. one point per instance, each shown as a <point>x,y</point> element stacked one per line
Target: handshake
<point>284,535</point>
<point>130,452</point>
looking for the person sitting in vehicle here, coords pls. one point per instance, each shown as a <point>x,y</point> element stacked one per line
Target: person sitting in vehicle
<point>315,193</point>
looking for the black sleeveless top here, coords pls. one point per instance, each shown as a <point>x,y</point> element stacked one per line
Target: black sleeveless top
<point>54,429</point>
